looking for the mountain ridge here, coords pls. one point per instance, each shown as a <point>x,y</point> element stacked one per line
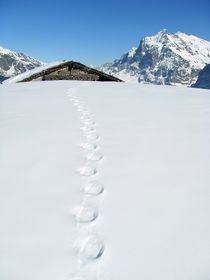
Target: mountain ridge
<point>14,63</point>
<point>164,58</point>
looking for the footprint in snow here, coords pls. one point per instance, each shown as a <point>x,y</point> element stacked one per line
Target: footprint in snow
<point>75,98</point>
<point>85,214</point>
<point>87,170</point>
<point>86,113</point>
<point>80,109</point>
<point>76,102</point>
<point>95,156</point>
<point>91,136</point>
<point>72,96</point>
<point>93,188</point>
<point>86,117</point>
<point>88,146</point>
<point>87,128</point>
<point>88,123</point>
<point>92,248</point>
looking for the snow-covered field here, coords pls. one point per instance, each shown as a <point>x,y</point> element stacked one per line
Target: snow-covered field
<point>106,181</point>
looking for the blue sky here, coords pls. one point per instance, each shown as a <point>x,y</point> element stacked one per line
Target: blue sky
<point>94,31</point>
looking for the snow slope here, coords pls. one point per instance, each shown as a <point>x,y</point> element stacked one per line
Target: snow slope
<point>131,202</point>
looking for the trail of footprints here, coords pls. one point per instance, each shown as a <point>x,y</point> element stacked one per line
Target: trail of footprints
<point>90,246</point>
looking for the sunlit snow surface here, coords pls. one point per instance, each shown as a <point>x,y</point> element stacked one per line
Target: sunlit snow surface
<point>144,211</point>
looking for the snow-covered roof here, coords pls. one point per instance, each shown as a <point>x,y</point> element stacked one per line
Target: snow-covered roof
<point>51,67</point>
<point>36,70</point>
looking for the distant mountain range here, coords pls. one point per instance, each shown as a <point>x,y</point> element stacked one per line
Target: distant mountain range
<point>171,59</point>
<point>12,63</point>
<point>165,58</point>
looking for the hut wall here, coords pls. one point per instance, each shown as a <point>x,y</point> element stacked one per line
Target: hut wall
<point>70,74</point>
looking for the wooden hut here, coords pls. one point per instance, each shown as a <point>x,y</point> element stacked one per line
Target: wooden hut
<point>70,70</point>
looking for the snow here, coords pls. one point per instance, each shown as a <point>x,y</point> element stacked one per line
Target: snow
<point>132,52</point>
<point>125,76</point>
<point>104,181</point>
<point>4,51</point>
<point>191,48</point>
<point>27,74</point>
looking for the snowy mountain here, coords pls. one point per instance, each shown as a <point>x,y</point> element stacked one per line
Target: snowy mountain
<point>172,59</point>
<point>12,63</point>
<point>203,80</point>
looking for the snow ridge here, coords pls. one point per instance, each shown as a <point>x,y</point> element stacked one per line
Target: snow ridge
<point>89,245</point>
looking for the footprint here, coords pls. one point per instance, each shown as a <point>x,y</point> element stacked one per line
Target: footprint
<point>89,123</point>
<point>75,99</point>
<point>76,103</point>
<point>85,214</point>
<point>91,136</point>
<point>92,248</point>
<point>86,128</point>
<point>86,113</point>
<point>70,95</point>
<point>80,109</point>
<point>93,188</point>
<point>87,170</point>
<point>86,117</point>
<point>95,156</point>
<point>88,146</point>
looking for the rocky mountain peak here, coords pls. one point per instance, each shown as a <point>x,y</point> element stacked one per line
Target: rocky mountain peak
<point>12,63</point>
<point>164,58</point>
<point>160,37</point>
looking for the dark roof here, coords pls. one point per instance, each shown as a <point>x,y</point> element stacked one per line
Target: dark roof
<point>74,65</point>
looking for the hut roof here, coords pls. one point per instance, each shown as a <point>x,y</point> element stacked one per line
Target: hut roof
<point>47,69</point>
